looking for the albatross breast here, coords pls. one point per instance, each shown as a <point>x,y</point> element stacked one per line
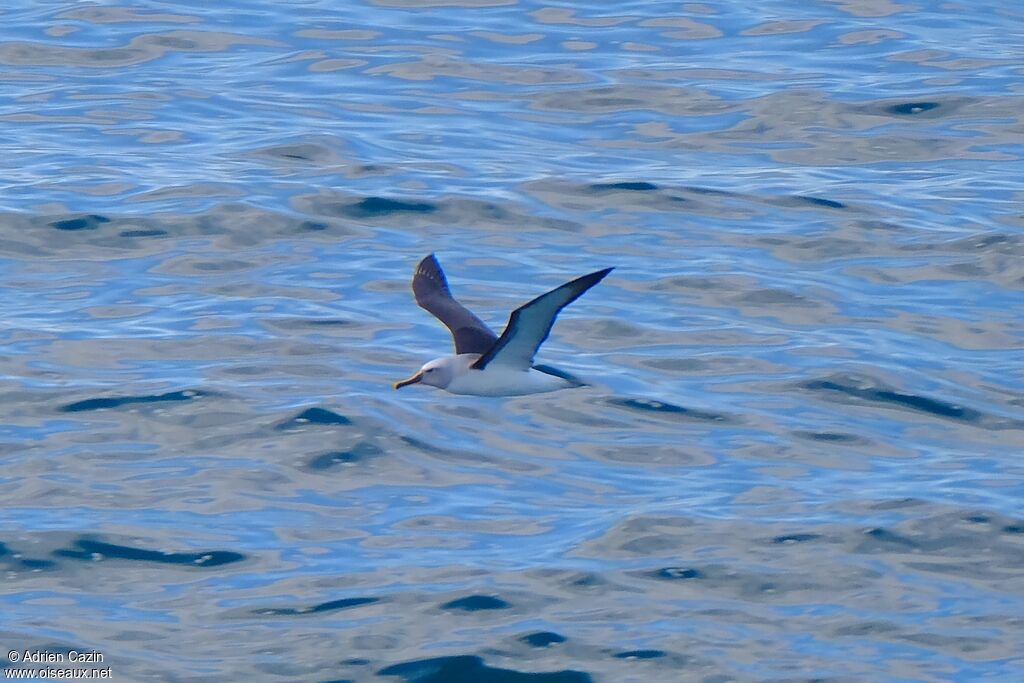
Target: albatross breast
<point>500,380</point>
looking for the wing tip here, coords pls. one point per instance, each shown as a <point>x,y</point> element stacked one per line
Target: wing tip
<point>428,261</point>
<point>593,278</point>
<point>429,269</point>
<point>429,286</point>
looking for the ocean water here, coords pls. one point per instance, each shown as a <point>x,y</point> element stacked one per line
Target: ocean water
<point>800,458</point>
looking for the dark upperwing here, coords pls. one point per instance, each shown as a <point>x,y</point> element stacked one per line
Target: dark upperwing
<point>430,286</point>
<point>530,324</point>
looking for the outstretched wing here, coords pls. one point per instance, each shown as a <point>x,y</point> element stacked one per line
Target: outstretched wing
<point>429,285</point>
<point>530,324</point>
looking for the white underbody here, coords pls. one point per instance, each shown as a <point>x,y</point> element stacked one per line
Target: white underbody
<point>499,380</point>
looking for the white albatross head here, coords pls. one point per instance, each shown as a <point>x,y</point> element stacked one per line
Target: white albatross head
<point>437,373</point>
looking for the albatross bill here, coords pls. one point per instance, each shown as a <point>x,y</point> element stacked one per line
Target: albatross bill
<point>485,364</point>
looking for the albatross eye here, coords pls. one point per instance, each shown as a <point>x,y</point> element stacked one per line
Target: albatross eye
<point>429,370</point>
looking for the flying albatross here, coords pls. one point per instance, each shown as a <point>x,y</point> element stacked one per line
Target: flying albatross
<point>485,364</point>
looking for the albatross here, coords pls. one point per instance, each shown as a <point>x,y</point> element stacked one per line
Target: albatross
<point>485,364</point>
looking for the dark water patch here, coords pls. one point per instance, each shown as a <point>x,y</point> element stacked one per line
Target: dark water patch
<point>883,539</point>
<point>647,405</point>
<point>710,191</point>
<point>472,669</point>
<point>374,207</point>
<point>676,573</point>
<point>788,539</point>
<point>331,606</point>
<point>869,391</point>
<point>358,453</point>
<point>304,151</point>
<point>33,564</point>
<point>986,241</point>
<point>989,243</point>
<point>907,503</point>
<point>542,639</point>
<point>640,654</point>
<point>296,325</point>
<point>421,445</point>
<point>334,322</point>
<point>314,416</point>
<point>155,232</point>
<point>12,562</point>
<point>588,580</point>
<point>313,226</point>
<point>355,661</point>
<point>911,108</point>
<point>478,211</point>
<point>95,550</point>
<point>639,186</point>
<point>117,401</point>
<point>1013,529</point>
<point>475,603</point>
<point>830,437</point>
<point>818,201</point>
<point>88,222</point>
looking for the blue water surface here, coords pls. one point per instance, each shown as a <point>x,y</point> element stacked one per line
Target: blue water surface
<point>800,454</point>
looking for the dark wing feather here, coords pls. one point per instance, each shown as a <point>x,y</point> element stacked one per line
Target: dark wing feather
<point>530,324</point>
<point>429,285</point>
